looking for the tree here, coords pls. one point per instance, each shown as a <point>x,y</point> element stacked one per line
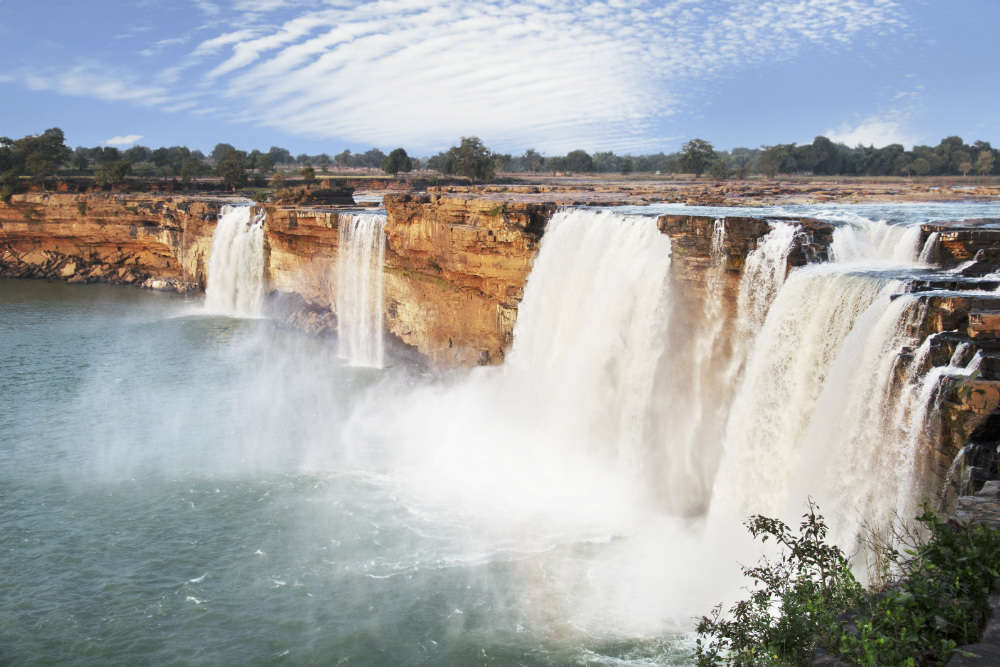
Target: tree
<point>323,161</point>
<point>471,158</point>
<point>230,167</point>
<point>80,159</point>
<point>606,162</point>
<point>190,168</point>
<point>344,158</point>
<point>984,163</point>
<point>265,163</point>
<point>777,159</point>
<point>372,158</point>
<point>921,167</point>
<point>137,154</point>
<point>627,165</point>
<point>555,163</point>
<point>39,156</point>
<point>397,161</point>
<point>532,160</point>
<point>718,169</point>
<point>904,165</point>
<point>278,181</point>
<point>579,160</point>
<point>742,159</point>
<point>113,173</point>
<point>308,174</point>
<point>279,155</point>
<point>696,155</point>
<point>161,157</point>
<point>221,151</point>
<point>502,162</point>
<point>824,155</point>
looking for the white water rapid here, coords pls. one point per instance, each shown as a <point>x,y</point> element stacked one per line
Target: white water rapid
<point>816,414</point>
<point>236,264</point>
<point>624,418</point>
<point>359,289</point>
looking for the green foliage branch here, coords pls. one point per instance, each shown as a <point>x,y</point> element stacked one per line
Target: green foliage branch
<point>808,599</point>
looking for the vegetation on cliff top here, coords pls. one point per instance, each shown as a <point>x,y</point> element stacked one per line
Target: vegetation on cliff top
<point>808,600</point>
<point>44,156</point>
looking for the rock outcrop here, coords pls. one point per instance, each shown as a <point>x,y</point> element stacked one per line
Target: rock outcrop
<point>691,248</point>
<point>153,241</point>
<point>455,272</point>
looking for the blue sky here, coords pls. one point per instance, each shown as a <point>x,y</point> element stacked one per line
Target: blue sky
<point>555,75</point>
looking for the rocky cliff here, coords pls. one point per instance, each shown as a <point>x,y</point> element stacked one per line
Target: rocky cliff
<point>455,272</point>
<point>154,241</point>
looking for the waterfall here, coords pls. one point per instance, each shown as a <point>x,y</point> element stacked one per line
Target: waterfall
<point>930,248</point>
<point>626,411</point>
<point>236,264</point>
<point>763,274</point>
<point>824,408</point>
<point>786,371</point>
<point>561,431</point>
<point>359,289</point>
<point>860,240</point>
<point>596,273</point>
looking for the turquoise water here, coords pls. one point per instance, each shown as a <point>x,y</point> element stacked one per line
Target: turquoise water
<point>183,489</point>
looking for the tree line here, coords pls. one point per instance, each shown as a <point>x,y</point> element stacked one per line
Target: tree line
<point>46,155</point>
<point>951,157</point>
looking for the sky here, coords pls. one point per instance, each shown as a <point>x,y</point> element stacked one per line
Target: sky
<point>557,75</point>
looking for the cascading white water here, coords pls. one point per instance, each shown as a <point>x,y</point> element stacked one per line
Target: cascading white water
<point>763,275</point>
<point>785,373</point>
<point>618,414</point>
<point>595,267</point>
<point>930,247</point>
<point>859,240</point>
<point>815,414</point>
<point>359,289</point>
<point>236,264</point>
<point>556,444</point>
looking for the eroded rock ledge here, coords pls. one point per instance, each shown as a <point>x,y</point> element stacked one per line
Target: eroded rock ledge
<point>161,242</point>
<point>456,263</point>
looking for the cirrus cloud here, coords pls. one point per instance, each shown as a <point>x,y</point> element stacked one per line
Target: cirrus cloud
<point>555,74</point>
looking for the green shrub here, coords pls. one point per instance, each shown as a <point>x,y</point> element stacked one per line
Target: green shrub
<point>808,600</point>
<point>794,602</point>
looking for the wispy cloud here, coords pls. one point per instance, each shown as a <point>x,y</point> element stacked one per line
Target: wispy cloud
<point>126,140</point>
<point>90,79</point>
<point>557,74</point>
<point>156,47</point>
<point>207,8</point>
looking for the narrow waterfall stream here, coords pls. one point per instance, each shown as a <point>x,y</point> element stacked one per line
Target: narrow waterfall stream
<point>359,289</point>
<point>236,264</point>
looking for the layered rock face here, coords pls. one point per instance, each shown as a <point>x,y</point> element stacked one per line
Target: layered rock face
<point>156,242</point>
<point>691,248</point>
<point>455,272</point>
<point>302,265</point>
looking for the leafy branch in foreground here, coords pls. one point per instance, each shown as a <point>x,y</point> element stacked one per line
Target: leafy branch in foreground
<point>808,600</point>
